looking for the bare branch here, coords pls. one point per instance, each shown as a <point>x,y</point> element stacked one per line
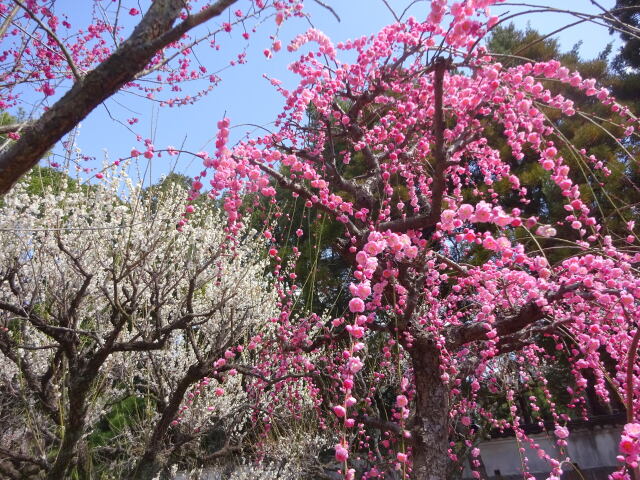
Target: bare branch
<point>395,15</point>
<point>7,21</point>
<point>528,315</point>
<point>12,127</point>
<point>22,458</point>
<point>379,423</point>
<point>439,182</point>
<point>324,5</point>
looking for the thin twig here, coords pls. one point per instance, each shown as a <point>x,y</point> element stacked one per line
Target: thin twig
<point>324,5</point>
<point>395,15</point>
<point>67,56</point>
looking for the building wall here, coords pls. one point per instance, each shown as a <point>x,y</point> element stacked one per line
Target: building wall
<point>593,450</point>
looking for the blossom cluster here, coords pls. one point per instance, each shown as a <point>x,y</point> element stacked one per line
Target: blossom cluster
<point>426,201</point>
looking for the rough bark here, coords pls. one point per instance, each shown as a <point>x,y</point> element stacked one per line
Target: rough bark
<point>149,464</point>
<point>430,430</point>
<point>83,374</point>
<point>73,428</point>
<point>154,32</point>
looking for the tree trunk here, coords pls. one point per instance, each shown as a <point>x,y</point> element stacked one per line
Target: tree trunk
<point>149,465</point>
<point>83,373</point>
<point>431,426</point>
<point>73,429</point>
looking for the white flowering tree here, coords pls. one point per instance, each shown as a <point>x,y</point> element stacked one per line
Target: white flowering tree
<point>111,323</point>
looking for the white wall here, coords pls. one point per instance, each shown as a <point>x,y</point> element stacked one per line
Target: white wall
<point>588,448</point>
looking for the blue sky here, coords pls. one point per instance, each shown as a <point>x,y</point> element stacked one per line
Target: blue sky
<point>246,97</point>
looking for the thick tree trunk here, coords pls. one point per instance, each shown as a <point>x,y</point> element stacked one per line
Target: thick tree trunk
<point>83,373</point>
<point>431,432</point>
<point>73,430</point>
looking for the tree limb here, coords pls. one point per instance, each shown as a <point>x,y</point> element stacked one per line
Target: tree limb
<point>154,32</point>
<point>12,127</point>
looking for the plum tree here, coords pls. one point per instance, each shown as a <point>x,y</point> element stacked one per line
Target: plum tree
<point>419,108</point>
<point>110,320</point>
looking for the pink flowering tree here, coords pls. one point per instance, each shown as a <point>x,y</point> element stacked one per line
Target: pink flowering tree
<point>416,111</point>
<point>45,56</point>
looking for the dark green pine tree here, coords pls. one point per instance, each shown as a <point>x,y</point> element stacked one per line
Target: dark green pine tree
<point>626,63</point>
<point>627,23</point>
